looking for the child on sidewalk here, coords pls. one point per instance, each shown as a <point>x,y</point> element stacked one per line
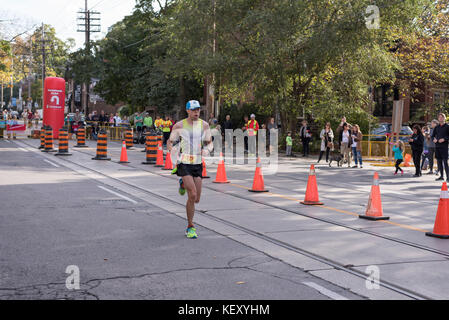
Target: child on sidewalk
<point>398,150</point>
<point>289,143</point>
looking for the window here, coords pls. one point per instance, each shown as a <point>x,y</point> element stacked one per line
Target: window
<point>383,101</point>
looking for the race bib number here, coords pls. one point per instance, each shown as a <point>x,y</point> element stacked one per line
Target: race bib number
<point>189,159</point>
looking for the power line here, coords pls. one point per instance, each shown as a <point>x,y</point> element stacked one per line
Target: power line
<point>97,4</point>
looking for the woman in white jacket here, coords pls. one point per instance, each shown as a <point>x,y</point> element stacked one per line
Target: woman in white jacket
<point>327,137</point>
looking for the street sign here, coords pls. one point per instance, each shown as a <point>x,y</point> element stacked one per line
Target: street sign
<point>14,102</point>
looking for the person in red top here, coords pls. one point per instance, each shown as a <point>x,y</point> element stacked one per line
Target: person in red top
<point>253,128</point>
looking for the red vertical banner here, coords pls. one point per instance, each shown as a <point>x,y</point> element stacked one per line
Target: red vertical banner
<point>54,102</point>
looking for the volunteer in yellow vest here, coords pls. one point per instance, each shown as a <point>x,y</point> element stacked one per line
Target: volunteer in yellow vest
<point>158,123</point>
<point>166,125</point>
<point>195,141</point>
<point>253,128</point>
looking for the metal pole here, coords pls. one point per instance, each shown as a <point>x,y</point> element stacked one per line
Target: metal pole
<point>29,76</point>
<point>371,94</point>
<point>43,64</point>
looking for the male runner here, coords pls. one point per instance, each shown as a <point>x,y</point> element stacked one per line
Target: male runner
<point>193,134</point>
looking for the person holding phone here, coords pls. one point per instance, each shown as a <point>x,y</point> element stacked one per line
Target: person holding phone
<point>440,136</point>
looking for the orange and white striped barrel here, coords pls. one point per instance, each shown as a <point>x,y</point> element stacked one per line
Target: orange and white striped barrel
<point>102,146</point>
<point>63,143</point>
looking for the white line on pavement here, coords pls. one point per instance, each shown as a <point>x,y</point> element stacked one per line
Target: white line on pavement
<point>325,291</point>
<point>118,194</point>
<point>7,140</point>
<point>24,150</point>
<point>53,164</point>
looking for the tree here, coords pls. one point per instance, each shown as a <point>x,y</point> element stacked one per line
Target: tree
<point>129,65</point>
<point>300,55</point>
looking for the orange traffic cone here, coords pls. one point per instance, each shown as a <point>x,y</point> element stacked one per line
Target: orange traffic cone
<point>160,155</point>
<point>407,160</point>
<point>221,171</point>
<point>258,183</point>
<point>374,209</point>
<point>123,155</point>
<point>441,227</point>
<point>204,174</point>
<point>312,197</point>
<point>168,162</point>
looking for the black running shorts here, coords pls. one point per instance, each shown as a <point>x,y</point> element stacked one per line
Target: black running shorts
<point>194,170</point>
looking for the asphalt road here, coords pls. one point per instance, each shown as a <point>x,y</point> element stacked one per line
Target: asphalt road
<point>52,217</point>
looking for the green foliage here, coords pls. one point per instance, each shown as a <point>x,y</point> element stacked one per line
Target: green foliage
<point>128,64</point>
<point>294,54</point>
<point>238,113</point>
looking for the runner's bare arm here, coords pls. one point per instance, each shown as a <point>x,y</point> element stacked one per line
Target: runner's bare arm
<point>208,145</point>
<point>174,136</point>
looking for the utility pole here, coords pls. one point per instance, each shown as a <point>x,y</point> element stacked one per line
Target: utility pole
<point>30,100</point>
<point>89,23</point>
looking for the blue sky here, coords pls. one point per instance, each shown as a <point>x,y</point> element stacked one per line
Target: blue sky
<point>61,14</point>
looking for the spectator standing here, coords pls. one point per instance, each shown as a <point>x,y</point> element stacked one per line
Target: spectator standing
<point>340,127</point>
<point>138,124</point>
<point>103,119</point>
<point>425,154</point>
<point>147,122</point>
<point>166,125</point>
<point>117,120</point>
<point>327,137</point>
<point>345,141</point>
<point>289,144</point>
<point>158,123</point>
<point>417,143</point>
<point>431,145</point>
<point>253,128</point>
<point>228,129</point>
<point>440,137</point>
<point>357,138</point>
<point>95,116</point>
<point>124,122</point>
<point>211,121</point>
<point>306,136</point>
<point>29,119</point>
<point>111,120</point>
<point>36,119</point>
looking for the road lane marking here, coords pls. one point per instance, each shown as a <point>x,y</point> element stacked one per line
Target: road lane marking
<point>326,292</point>
<point>118,194</point>
<point>24,150</point>
<point>52,163</point>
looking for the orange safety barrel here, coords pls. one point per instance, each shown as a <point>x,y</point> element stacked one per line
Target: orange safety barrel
<point>63,142</point>
<point>102,146</point>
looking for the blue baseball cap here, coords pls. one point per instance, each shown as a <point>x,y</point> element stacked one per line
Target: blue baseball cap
<point>193,105</point>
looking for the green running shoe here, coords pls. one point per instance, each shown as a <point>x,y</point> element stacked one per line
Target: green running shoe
<point>191,233</point>
<point>174,170</point>
<point>182,190</point>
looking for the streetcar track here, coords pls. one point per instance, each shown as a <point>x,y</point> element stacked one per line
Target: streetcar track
<point>328,221</point>
<point>336,265</point>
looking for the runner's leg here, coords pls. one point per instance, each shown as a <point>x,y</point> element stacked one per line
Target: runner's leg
<point>189,185</point>
<point>198,184</point>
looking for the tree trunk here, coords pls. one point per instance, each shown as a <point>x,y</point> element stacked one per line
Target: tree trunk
<point>182,97</point>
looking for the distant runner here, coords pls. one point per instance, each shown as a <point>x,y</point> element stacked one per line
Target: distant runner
<point>195,142</point>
